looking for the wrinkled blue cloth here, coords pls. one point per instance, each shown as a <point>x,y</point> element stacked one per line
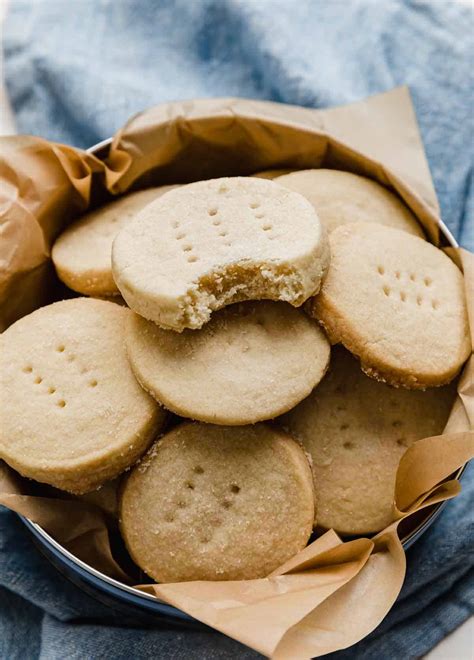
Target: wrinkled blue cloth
<point>76,71</point>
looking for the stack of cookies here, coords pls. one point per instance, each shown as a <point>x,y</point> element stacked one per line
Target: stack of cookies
<point>213,379</point>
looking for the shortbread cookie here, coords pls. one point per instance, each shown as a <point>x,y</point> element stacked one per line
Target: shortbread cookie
<point>252,361</point>
<point>82,253</point>
<point>212,243</point>
<point>356,431</point>
<point>218,503</point>
<point>397,302</point>
<point>341,197</point>
<point>75,415</point>
<point>272,174</point>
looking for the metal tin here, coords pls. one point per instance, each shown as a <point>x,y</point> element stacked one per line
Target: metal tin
<point>139,607</point>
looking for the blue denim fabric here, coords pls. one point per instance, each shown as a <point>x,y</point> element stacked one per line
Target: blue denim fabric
<point>76,71</point>
<point>43,616</point>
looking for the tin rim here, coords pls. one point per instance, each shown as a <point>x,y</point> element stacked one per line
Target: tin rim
<point>412,536</point>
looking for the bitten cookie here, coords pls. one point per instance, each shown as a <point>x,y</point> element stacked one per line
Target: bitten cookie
<point>75,414</point>
<point>252,361</point>
<point>356,431</point>
<point>341,197</point>
<point>82,253</point>
<point>218,503</point>
<point>398,303</point>
<point>212,243</point>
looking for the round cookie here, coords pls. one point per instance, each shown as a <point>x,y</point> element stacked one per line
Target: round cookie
<point>211,243</point>
<point>398,303</point>
<point>218,503</point>
<point>342,197</point>
<point>82,253</point>
<point>251,362</point>
<point>76,416</point>
<point>356,431</point>
<point>272,174</point>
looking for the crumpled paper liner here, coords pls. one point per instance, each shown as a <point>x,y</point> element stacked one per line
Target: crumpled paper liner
<point>333,593</point>
<point>44,186</point>
<point>80,527</point>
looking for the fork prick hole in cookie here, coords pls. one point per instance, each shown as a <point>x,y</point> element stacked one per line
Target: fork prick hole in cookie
<point>61,348</point>
<point>255,204</point>
<point>61,403</point>
<point>190,485</point>
<point>386,290</point>
<point>403,296</point>
<point>348,445</point>
<point>38,380</point>
<point>235,489</point>
<point>192,259</point>
<point>93,383</point>
<point>419,300</point>
<point>397,274</point>
<point>434,304</point>
<point>428,281</point>
<point>212,211</point>
<point>381,270</point>
<point>28,369</point>
<point>267,227</point>
<point>198,469</point>
<point>51,390</point>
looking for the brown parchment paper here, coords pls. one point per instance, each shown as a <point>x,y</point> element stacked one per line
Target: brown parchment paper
<point>333,593</point>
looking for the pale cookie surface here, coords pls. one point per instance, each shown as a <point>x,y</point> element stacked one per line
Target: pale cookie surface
<point>212,243</point>
<point>251,362</point>
<point>82,253</point>
<point>75,414</point>
<point>342,197</point>
<point>356,431</point>
<point>398,303</point>
<point>218,503</point>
